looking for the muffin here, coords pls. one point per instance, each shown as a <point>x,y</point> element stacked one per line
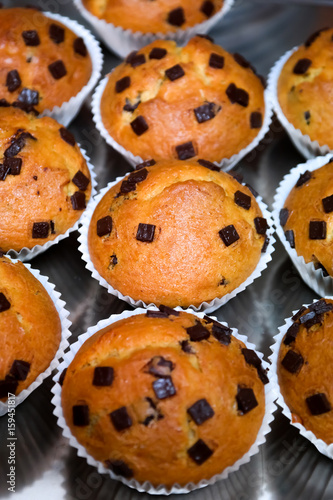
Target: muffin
<point>164,397</point>
<point>44,180</point>
<point>305,368</point>
<point>43,63</point>
<point>30,328</point>
<point>176,233</point>
<point>168,102</point>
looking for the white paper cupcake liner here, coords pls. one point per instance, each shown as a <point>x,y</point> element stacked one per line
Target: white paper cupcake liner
<point>319,443</point>
<point>314,278</point>
<point>225,164</point>
<point>122,42</point>
<point>147,486</point>
<point>307,147</point>
<point>68,110</point>
<point>26,254</point>
<point>65,334</point>
<point>211,306</point>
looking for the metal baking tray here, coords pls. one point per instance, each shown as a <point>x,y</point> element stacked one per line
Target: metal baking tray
<point>288,466</point>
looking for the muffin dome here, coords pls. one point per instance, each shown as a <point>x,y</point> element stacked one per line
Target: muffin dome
<point>165,397</point>
<point>30,328</point>
<point>176,233</point>
<point>44,180</point>
<point>167,102</point>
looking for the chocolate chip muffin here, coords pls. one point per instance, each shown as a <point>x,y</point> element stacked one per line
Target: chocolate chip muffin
<point>30,328</point>
<point>167,102</point>
<point>165,397</point>
<point>304,90</point>
<point>305,368</point>
<point>177,233</point>
<point>307,217</point>
<point>44,180</point>
<point>160,16</point>
<point>43,63</point>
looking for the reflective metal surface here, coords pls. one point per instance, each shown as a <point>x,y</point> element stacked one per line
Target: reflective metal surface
<point>288,466</point>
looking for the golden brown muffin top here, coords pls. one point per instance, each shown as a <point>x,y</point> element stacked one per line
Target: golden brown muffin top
<point>43,63</point>
<point>305,368</point>
<point>30,328</point>
<point>44,180</point>
<point>307,217</point>
<point>304,88</point>
<point>165,397</point>
<point>176,233</point>
<point>168,102</point>
<point>159,16</point>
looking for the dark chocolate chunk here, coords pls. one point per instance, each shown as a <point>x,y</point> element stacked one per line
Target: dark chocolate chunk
<point>57,69</point>
<point>328,204</point>
<point>168,310</point>
<point>290,237</point>
<point>138,175</point>
<point>4,303</point>
<point>104,226</point>
<point>242,200</point>
<point>251,357</point>
<point>198,332</point>
<point>310,315</point>
<point>265,245</point>
<point>14,165</point>
<point>237,176</point>
<point>103,376</point>
<point>237,95</point>
<point>200,411</point>
<point>78,200</point>
<point>147,163</point>
<point>9,385</point>
<point>206,112</point>
<point>207,8</point>
<point>216,61</point>
<point>121,419</point>
<point>229,235</point>
<point>137,60</point>
<point>175,72</point>
<point>241,60</point>
<point>4,171</point>
<point>317,230</point>
<point>145,232</point>
<point>302,66</point>
<point>80,180</point>
<point>131,107</point>
<point>31,38</point>
<point>67,136</point>
<point>321,306</point>
<point>157,53</point>
<point>199,452</point>
<point>303,178</point>
<point>139,125</point>
<point>52,227</point>
<point>81,415</point>
<point>262,374</point>
<point>130,56</point>
<point>62,376</point>
<point>4,103</point>
<point>15,147</point>
<point>160,367</point>
<point>119,468</point>
<point>317,319</point>
<point>20,369</point>
<point>307,116</point>
<point>113,261</point>
<point>284,214</point>
<point>261,225</point>
<point>127,186</point>
<point>209,164</point>
<point>56,33</point>
<point>156,314</point>
<point>246,400</point>
<point>13,80</point>
<point>185,151</point>
<point>318,404</point>
<point>313,37</point>
<point>164,388</point>
<point>298,314</point>
<point>253,191</point>
<point>40,229</point>
<point>221,333</point>
<point>122,84</point>
<point>206,37</point>
<point>186,346</point>
<point>317,265</point>
<point>256,119</point>
<point>292,361</point>
<point>176,17</point>
<point>29,97</point>
<point>80,47</point>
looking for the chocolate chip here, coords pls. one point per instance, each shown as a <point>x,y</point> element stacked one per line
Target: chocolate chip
<point>119,468</point>
<point>242,200</point>
<point>265,245</point>
<point>147,163</point>
<point>216,61</point>
<point>4,303</point>
<point>139,125</point>
<point>299,314</point>
<point>307,117</point>
<point>256,119</point>
<point>206,112</point>
<point>104,226</point>
<point>261,225</point>
<point>317,230</point>
<point>303,178</point>
<point>207,8</point>
<point>4,103</point>
<point>78,200</point>
<point>291,334</point>
<point>185,151</point>
<point>186,347</point>
<point>121,419</point>
<point>284,214</point>
<point>13,164</point>
<point>80,47</point>
<point>292,361</point>
<point>16,146</point>
<point>157,53</point>
<point>127,186</point>
<point>302,66</point>
<point>131,107</point>
<point>328,204</point>
<point>57,69</point>
<point>80,180</point>
<point>200,411</point>
<point>237,176</point>
<point>122,84</point>
<point>199,452</point>
<point>318,404</point>
<point>130,56</point>
<point>246,400</point>
<point>81,415</point>
<point>198,332</point>
<point>175,72</point>
<point>321,306</point>
<point>209,164</point>
<point>290,237</point>
<point>229,235</point>
<point>176,17</point>
<point>103,376</point>
<point>137,60</point>
<point>317,319</point>
<point>222,333</point>
<point>138,176</point>
<point>4,171</point>
<point>56,33</point>
<point>40,229</point>
<point>251,357</point>
<point>313,37</point>
<point>159,367</point>
<point>318,265</point>
<point>168,310</point>
<point>164,388</point>
<point>13,80</point>
<point>62,377</point>
<point>31,38</point>
<point>156,314</point>
<point>145,232</point>
<point>253,191</point>
<point>20,369</point>
<point>262,374</point>
<point>9,385</point>
<point>67,136</point>
<point>113,261</point>
<point>237,95</point>
<point>306,317</point>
